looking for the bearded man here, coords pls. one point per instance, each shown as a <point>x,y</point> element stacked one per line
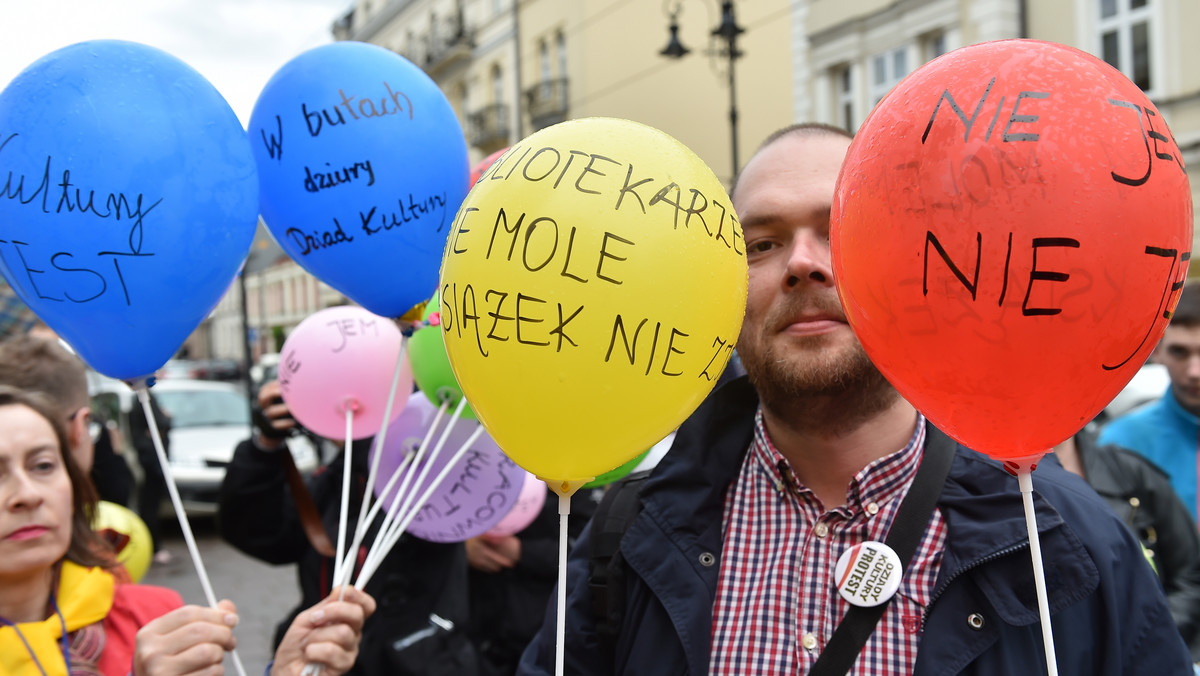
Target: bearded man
<point>811,513</point>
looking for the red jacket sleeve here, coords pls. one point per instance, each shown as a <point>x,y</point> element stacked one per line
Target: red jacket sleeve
<point>134,606</point>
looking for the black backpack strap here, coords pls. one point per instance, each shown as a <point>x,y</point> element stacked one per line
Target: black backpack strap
<point>606,579</point>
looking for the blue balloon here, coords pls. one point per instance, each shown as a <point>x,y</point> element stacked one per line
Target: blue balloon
<point>362,166</point>
<point>128,200</point>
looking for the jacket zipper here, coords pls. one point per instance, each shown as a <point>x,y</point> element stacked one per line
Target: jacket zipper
<point>974,564</point>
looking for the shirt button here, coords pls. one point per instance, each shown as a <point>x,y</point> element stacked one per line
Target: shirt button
<point>809,642</point>
<point>821,530</point>
<point>872,508</point>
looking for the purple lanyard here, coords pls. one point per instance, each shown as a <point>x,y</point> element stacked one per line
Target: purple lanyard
<point>66,646</point>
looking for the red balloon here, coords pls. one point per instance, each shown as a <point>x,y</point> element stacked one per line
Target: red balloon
<point>1009,235</point>
<point>478,169</point>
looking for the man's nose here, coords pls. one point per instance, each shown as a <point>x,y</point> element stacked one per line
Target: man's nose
<point>1193,366</point>
<point>809,260</point>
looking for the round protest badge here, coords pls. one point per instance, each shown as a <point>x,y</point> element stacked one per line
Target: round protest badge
<point>593,286</point>
<point>868,574</point>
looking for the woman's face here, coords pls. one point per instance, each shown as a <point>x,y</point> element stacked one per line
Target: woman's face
<point>35,493</point>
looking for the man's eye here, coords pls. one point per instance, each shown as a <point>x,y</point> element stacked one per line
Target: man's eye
<point>760,246</point>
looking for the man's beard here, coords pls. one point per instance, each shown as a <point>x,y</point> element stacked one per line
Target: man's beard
<point>834,389</point>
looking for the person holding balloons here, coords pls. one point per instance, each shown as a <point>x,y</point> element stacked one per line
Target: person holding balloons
<point>778,512</point>
<point>421,585</point>
<point>1166,431</point>
<point>67,607</point>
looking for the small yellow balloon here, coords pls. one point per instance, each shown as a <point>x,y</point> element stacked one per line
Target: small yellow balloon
<point>134,546</point>
<point>592,291</point>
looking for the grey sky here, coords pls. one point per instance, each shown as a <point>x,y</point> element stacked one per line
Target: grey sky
<point>236,44</point>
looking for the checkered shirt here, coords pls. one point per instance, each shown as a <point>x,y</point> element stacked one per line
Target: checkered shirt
<point>776,604</point>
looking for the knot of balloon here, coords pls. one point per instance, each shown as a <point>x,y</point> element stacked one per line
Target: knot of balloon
<point>407,328</point>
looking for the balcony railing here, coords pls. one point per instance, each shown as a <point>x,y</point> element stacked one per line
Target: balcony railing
<point>547,103</point>
<point>450,47</point>
<point>488,127</point>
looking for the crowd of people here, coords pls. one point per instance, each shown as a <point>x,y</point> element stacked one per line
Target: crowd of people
<point>720,560</point>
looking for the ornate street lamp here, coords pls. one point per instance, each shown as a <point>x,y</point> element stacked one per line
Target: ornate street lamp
<point>727,31</point>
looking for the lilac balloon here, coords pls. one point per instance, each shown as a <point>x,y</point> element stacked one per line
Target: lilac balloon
<point>475,495</point>
<point>529,505</point>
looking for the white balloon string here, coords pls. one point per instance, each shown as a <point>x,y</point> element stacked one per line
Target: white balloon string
<point>341,555</point>
<point>390,515</point>
<point>373,512</point>
<point>426,464</point>
<point>1025,481</point>
<point>564,511</point>
<point>143,396</point>
<point>372,473</point>
<point>394,537</point>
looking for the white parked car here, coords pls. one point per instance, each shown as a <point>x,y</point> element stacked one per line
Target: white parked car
<point>1148,384</point>
<point>208,419</point>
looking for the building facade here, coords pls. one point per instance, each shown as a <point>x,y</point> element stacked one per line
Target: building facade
<point>848,55</point>
<point>511,67</point>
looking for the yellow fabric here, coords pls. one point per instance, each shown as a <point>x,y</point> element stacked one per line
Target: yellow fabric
<point>85,596</point>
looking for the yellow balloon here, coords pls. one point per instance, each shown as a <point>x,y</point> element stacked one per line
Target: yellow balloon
<point>592,289</point>
<point>135,548</point>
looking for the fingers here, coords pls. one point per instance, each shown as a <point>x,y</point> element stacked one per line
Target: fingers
<point>187,640</point>
<point>328,633</point>
<point>268,392</point>
<point>221,615</point>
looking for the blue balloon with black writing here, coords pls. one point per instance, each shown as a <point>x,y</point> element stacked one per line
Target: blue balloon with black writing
<point>362,166</point>
<point>128,200</point>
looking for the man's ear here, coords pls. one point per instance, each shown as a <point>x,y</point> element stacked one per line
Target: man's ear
<point>77,426</point>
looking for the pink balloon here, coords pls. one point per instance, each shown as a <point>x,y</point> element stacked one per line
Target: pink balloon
<point>475,495</point>
<point>338,358</point>
<point>529,505</point>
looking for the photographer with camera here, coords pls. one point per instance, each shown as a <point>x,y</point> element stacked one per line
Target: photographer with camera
<point>268,511</point>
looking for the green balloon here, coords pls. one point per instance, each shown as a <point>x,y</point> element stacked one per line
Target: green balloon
<point>431,367</point>
<point>618,473</point>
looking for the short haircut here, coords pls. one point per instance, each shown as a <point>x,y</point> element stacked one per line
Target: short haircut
<point>38,364</point>
<point>1187,311</point>
<point>797,129</point>
<point>86,548</point>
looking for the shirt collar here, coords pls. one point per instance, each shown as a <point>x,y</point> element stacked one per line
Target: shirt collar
<point>881,481</point>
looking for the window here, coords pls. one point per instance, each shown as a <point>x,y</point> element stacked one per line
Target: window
<point>1124,38</point>
<point>544,59</point>
<point>887,69</point>
<point>843,96</point>
<point>561,46</point>
<point>933,45</point>
<point>497,84</point>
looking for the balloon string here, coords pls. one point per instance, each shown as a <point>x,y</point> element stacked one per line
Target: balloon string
<point>564,511</point>
<point>1025,480</point>
<point>394,537</point>
<point>143,396</point>
<point>403,491</point>
<point>372,476</point>
<point>341,555</point>
<point>374,511</point>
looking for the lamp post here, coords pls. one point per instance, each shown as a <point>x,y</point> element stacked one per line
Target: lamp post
<point>727,31</point>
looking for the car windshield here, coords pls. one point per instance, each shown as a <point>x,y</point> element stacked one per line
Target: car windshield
<point>201,408</point>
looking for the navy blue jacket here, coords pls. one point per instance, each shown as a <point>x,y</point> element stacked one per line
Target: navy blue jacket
<point>1108,612</point>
